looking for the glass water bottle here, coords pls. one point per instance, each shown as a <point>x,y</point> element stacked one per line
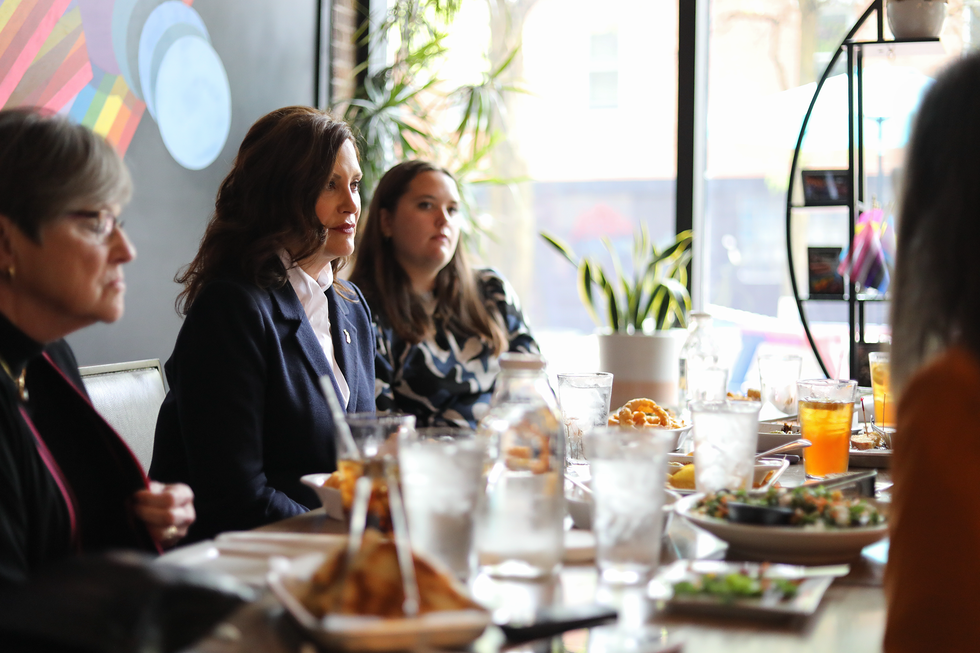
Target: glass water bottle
<point>520,532</point>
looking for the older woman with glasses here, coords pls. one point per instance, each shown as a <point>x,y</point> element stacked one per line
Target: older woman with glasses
<point>68,483</point>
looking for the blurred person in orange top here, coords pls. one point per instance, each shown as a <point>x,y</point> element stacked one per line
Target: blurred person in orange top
<point>933,570</point>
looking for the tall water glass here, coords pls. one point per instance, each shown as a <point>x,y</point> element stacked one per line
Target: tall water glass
<point>725,438</point>
<point>584,403</point>
<point>778,375</point>
<point>629,468</point>
<point>826,412</point>
<point>376,437</point>
<point>376,434</point>
<point>881,386</point>
<point>442,481</point>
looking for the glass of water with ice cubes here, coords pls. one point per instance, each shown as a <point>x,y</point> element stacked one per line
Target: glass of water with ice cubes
<point>725,438</point>
<point>442,480</point>
<point>629,468</point>
<point>584,402</point>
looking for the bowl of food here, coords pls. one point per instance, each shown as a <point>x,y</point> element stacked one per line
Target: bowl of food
<point>358,606</point>
<point>827,529</point>
<point>680,473</point>
<point>646,413</point>
<point>336,491</point>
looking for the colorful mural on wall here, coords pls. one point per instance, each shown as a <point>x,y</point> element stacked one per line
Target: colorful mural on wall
<point>105,63</point>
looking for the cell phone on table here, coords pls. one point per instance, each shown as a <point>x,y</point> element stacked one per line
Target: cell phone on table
<point>554,620</point>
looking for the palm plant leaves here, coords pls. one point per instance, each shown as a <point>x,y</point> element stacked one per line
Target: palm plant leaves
<point>654,296</point>
<point>390,111</point>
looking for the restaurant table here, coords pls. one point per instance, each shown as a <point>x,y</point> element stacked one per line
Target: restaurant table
<point>851,616</point>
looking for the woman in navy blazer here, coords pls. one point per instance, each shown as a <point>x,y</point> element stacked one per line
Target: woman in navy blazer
<point>245,417</point>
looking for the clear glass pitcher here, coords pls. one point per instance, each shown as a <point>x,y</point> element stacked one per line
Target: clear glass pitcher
<point>520,532</point>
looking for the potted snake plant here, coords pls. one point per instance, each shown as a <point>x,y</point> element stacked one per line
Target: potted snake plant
<point>641,313</point>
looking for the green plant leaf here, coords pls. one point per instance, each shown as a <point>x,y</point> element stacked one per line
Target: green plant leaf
<point>586,284</point>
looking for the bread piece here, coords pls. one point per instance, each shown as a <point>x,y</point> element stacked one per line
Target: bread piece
<point>864,441</point>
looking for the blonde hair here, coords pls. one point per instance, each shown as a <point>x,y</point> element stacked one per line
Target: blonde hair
<point>50,166</point>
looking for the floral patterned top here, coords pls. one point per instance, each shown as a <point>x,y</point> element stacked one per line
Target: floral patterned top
<point>447,379</point>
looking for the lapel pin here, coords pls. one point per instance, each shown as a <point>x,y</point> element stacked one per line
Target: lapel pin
<point>347,335</point>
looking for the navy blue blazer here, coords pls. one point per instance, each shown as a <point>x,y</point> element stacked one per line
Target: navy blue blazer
<point>245,417</point>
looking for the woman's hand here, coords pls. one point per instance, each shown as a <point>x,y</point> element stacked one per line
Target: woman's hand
<point>167,510</point>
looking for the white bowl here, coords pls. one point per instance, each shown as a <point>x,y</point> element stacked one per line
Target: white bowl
<point>579,506</point>
<point>916,19</point>
<point>805,545</point>
<point>329,496</point>
<point>762,467</point>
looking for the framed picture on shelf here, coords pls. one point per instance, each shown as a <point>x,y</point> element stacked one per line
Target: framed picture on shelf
<point>825,283</point>
<point>826,187</point>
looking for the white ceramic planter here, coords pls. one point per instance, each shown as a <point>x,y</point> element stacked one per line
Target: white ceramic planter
<point>916,19</point>
<point>643,365</point>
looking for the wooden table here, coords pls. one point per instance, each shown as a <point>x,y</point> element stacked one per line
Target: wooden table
<point>851,616</point>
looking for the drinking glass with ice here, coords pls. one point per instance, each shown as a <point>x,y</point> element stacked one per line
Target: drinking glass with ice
<point>442,481</point>
<point>584,403</point>
<point>629,468</point>
<point>725,438</point>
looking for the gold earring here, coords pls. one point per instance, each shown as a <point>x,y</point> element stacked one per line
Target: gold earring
<point>10,272</point>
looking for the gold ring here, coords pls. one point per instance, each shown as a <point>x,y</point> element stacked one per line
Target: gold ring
<point>169,533</point>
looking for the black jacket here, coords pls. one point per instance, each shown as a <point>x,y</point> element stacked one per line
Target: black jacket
<point>245,417</point>
<point>66,477</point>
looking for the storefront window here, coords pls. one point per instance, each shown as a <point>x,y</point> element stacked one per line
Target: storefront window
<point>764,60</point>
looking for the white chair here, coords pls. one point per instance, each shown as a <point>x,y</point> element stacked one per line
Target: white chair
<point>128,396</point>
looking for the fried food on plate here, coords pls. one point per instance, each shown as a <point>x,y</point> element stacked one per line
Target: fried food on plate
<point>373,584</point>
<point>645,413</point>
<point>345,478</point>
<point>750,395</point>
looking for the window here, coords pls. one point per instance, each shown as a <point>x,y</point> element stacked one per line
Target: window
<point>604,72</point>
<point>764,60</point>
<point>598,151</point>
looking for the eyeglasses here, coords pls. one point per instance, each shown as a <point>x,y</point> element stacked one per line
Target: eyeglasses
<point>102,223</point>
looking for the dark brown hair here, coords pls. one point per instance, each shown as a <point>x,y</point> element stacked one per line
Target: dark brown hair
<point>267,203</point>
<point>386,285</point>
<point>50,166</point>
<point>937,276</point>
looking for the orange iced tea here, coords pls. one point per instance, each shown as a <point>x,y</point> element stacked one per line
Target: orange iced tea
<point>881,385</point>
<point>827,424</point>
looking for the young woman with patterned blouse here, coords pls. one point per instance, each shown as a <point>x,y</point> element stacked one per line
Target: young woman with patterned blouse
<point>440,324</point>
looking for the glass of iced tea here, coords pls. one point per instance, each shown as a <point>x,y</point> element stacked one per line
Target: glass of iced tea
<point>882,387</point>
<point>826,411</point>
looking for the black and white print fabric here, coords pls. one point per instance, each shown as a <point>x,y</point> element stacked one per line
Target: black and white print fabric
<point>447,379</point>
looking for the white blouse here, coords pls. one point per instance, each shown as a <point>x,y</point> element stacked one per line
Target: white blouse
<point>311,296</point>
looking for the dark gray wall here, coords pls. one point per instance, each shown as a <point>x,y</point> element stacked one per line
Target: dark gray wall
<point>268,50</point>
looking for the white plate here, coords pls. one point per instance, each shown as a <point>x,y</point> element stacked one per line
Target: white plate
<point>771,435</point>
<point>881,458</point>
<point>794,544</point>
<point>246,554</point>
<point>353,633</point>
<point>806,601</point>
<point>762,467</point>
<point>329,496</point>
